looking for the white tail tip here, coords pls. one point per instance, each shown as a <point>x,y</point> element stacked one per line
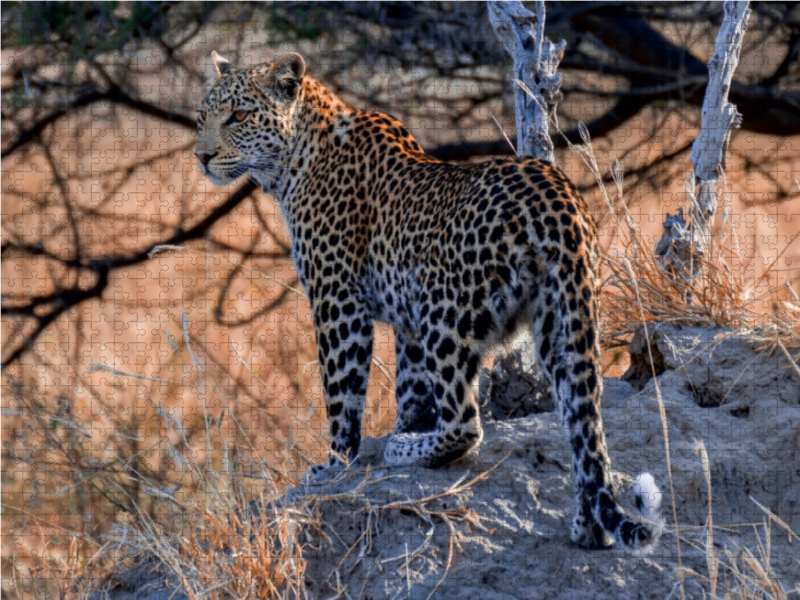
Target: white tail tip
<point>648,502</point>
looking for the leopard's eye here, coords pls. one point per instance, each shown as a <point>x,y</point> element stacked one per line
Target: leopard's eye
<point>237,117</point>
<point>201,115</point>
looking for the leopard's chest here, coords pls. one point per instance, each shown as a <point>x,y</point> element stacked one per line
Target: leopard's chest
<point>365,234</point>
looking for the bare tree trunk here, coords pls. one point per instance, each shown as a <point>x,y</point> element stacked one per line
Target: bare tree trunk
<point>538,83</point>
<point>682,248</point>
<point>537,92</point>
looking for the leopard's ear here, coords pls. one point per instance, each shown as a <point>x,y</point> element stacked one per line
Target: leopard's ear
<point>282,80</point>
<point>221,66</point>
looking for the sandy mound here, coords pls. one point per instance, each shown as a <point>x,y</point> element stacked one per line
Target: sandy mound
<point>496,524</point>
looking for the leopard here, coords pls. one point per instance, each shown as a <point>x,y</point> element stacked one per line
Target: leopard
<point>456,258</point>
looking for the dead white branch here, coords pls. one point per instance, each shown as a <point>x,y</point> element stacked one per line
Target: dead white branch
<point>536,61</point>
<point>719,117</point>
<point>537,91</point>
<point>683,247</point>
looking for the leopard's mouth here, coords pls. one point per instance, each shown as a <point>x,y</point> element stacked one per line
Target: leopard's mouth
<point>223,176</point>
<point>212,175</point>
<point>215,179</point>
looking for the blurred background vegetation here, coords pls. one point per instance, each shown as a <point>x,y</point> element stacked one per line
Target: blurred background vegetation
<point>119,359</point>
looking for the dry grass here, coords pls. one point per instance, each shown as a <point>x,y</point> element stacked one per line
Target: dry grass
<point>207,532</point>
<point>642,290</point>
<point>745,573</point>
<point>230,547</point>
<point>219,547</point>
<point>199,530</point>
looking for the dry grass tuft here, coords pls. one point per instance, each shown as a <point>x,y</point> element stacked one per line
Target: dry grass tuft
<point>722,293</point>
<point>746,574</point>
<point>215,542</point>
<point>230,553</point>
<point>68,576</point>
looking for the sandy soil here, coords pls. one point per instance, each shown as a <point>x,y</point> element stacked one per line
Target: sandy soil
<point>509,530</point>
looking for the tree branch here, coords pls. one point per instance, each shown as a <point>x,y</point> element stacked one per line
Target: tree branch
<point>654,59</point>
<point>115,95</point>
<point>681,247</point>
<point>626,108</point>
<point>63,301</point>
<point>536,79</point>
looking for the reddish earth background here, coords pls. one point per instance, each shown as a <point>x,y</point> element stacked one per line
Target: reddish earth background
<point>137,327</point>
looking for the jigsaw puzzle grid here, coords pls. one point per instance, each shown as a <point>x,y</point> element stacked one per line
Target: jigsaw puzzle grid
<point>159,350</point>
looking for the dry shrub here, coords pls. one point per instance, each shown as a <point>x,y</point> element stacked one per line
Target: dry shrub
<point>640,287</point>
<point>215,541</point>
<point>231,550</point>
<point>719,295</point>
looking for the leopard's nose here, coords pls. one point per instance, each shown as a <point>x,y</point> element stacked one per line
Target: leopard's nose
<point>205,157</point>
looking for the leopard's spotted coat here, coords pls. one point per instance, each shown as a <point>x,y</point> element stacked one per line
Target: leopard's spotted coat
<point>455,257</point>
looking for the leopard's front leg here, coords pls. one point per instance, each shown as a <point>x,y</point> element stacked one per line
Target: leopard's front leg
<point>344,337</point>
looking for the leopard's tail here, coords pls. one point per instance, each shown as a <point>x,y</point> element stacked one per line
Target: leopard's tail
<point>571,362</point>
<point>639,534</point>
<point>648,505</point>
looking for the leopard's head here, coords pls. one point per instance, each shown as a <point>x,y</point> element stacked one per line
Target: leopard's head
<point>244,123</point>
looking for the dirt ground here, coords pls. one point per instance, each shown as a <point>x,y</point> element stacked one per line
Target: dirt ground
<point>412,532</point>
